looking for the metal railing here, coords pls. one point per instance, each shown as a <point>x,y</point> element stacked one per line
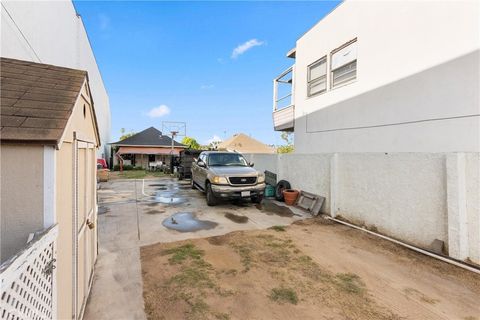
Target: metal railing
<point>284,82</point>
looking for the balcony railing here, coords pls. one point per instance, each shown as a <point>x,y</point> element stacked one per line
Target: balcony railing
<point>28,280</point>
<point>283,101</point>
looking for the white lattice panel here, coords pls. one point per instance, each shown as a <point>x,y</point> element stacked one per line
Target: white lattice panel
<point>27,281</point>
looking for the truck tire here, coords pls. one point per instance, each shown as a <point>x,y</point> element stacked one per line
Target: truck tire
<point>281,185</point>
<point>211,199</point>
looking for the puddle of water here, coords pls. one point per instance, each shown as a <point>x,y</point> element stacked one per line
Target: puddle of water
<point>236,218</point>
<point>169,200</point>
<point>271,208</point>
<point>157,185</point>
<point>187,222</point>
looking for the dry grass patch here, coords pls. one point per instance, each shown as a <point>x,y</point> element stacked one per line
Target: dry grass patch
<point>252,274</point>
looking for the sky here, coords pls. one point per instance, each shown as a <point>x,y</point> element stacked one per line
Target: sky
<point>208,64</point>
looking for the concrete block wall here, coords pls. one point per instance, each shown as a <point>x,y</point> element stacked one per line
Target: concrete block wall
<point>414,197</point>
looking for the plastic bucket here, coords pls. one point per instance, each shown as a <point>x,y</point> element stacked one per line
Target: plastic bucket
<point>269,191</point>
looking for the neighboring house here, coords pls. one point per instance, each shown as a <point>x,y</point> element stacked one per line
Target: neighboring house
<point>384,102</point>
<point>146,147</point>
<point>244,144</point>
<point>49,138</point>
<point>52,32</point>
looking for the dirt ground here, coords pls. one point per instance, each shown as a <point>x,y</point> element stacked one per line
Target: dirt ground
<point>313,269</point>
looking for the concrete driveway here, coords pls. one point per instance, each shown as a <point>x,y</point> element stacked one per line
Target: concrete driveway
<point>134,213</point>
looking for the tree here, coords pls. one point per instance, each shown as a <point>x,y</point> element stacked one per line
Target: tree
<point>288,146</point>
<point>125,134</point>
<point>214,144</point>
<point>191,143</point>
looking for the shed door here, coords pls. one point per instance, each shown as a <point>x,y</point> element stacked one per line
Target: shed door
<point>84,222</point>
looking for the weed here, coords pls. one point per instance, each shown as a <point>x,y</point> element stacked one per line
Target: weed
<point>192,277</point>
<point>222,316</point>
<point>282,295</point>
<point>181,253</point>
<point>198,309</point>
<point>245,253</point>
<point>350,283</point>
<point>278,228</point>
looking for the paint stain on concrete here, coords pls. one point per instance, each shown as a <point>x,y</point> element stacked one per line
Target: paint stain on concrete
<point>272,208</point>
<point>187,222</point>
<point>236,218</point>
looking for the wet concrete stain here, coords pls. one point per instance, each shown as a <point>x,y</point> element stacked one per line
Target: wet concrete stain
<point>158,185</point>
<point>236,218</point>
<point>272,208</point>
<point>154,211</point>
<point>153,204</point>
<point>103,210</point>
<point>187,222</point>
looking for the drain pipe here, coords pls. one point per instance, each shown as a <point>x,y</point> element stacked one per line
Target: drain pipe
<point>425,252</point>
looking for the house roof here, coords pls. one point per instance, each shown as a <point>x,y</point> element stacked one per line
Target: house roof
<point>242,143</point>
<point>150,137</point>
<point>37,100</point>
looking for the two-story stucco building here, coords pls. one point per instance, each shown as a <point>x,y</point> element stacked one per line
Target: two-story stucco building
<point>383,100</point>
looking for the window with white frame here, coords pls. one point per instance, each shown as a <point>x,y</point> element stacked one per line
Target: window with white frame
<point>317,77</point>
<point>344,64</point>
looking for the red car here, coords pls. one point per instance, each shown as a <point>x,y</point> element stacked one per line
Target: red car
<point>102,162</point>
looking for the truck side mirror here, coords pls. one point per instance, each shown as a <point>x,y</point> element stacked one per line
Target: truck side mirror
<point>201,164</point>
<point>251,164</point>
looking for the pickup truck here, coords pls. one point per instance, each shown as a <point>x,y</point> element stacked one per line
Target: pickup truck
<point>226,175</point>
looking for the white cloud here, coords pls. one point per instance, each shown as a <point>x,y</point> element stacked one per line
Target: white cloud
<point>207,86</point>
<point>215,138</point>
<point>104,21</point>
<point>158,112</point>
<point>244,47</point>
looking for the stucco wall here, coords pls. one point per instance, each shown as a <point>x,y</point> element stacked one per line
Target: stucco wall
<point>407,92</point>
<point>51,32</point>
<point>21,195</point>
<point>403,195</point>
<point>472,174</point>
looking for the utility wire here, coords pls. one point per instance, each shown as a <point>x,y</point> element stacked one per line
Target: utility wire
<point>23,35</point>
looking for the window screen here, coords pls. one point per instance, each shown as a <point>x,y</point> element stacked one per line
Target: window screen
<point>344,64</point>
<point>317,77</point>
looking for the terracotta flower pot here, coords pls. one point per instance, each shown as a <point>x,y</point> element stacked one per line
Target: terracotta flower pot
<point>290,196</point>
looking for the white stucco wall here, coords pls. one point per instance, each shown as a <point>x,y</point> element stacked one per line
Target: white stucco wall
<point>407,94</point>
<point>472,174</point>
<point>51,32</point>
<point>403,195</point>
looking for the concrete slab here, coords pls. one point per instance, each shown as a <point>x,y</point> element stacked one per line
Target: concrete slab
<point>131,213</point>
